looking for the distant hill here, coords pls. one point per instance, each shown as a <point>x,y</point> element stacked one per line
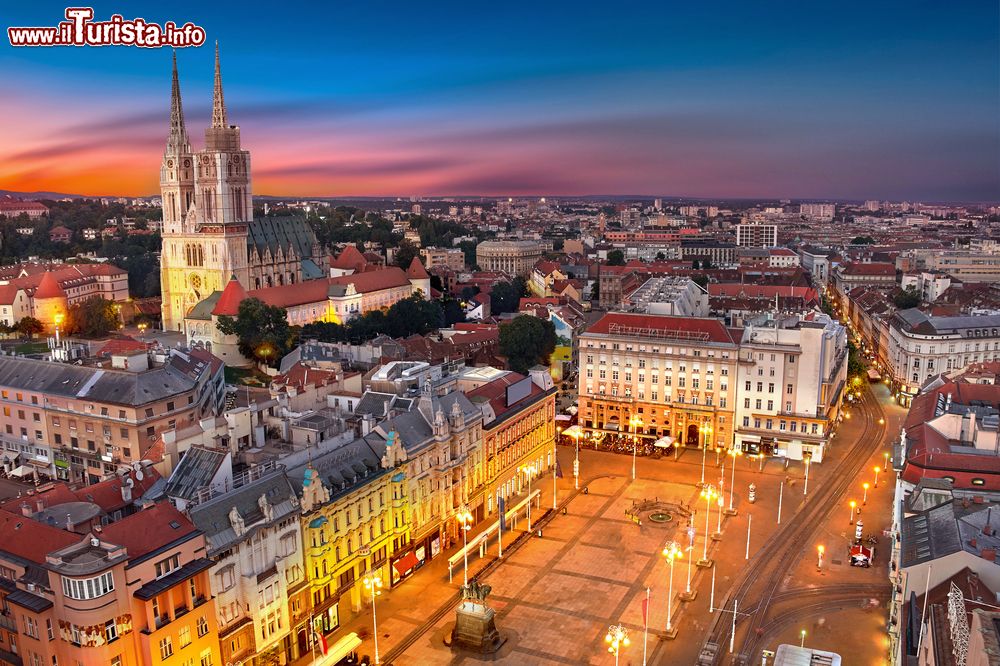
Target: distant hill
<point>41,195</point>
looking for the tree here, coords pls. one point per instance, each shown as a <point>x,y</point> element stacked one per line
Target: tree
<point>701,280</point>
<point>696,264</point>
<point>527,341</point>
<point>660,256</point>
<point>706,264</point>
<point>413,315</point>
<point>29,326</point>
<point>506,296</point>
<point>863,240</point>
<point>453,312</point>
<point>469,292</point>
<point>405,254</point>
<point>907,298</point>
<point>5,329</point>
<point>262,331</point>
<point>595,291</point>
<point>616,258</point>
<point>93,318</point>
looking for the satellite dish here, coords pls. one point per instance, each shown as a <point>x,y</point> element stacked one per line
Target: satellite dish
<point>138,475</point>
<point>128,482</point>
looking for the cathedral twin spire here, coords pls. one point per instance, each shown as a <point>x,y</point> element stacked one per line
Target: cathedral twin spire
<point>178,137</point>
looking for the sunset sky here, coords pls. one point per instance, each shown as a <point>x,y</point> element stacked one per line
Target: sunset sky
<point>891,100</point>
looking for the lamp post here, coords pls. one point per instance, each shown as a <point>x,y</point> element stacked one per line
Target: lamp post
<point>853,504</point>
<point>529,470</point>
<point>877,470</point>
<point>735,453</point>
<point>555,470</point>
<point>688,594</point>
<point>465,518</point>
<point>805,486</point>
<point>576,461</point>
<point>864,500</point>
<point>802,641</point>
<point>58,320</point>
<point>721,503</point>
<point>142,330</point>
<point>819,552</point>
<point>706,432</point>
<point>636,423</point>
<point>671,551</point>
<point>616,638</point>
<point>708,493</point>
<point>373,583</point>
<point>885,454</point>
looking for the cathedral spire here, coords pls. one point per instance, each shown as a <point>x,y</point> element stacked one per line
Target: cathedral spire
<point>178,132</point>
<point>219,119</point>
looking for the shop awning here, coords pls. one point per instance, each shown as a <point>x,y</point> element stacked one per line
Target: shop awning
<point>406,563</point>
<point>664,442</point>
<point>342,648</point>
<point>22,471</point>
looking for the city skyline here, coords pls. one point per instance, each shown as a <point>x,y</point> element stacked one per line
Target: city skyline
<point>790,105</point>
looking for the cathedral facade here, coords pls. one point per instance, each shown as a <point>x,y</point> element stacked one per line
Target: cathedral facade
<point>209,231</point>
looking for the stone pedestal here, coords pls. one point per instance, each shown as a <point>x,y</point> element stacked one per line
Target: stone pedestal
<point>475,628</point>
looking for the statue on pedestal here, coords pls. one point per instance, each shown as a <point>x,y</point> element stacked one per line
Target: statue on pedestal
<point>475,626</point>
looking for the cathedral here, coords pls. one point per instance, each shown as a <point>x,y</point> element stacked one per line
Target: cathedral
<point>209,230</point>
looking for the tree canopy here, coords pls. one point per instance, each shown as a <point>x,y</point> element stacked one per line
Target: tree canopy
<point>863,240</point>
<point>616,258</point>
<point>405,254</point>
<point>506,296</point>
<point>527,341</point>
<point>92,318</point>
<point>413,315</point>
<point>907,298</point>
<point>261,329</point>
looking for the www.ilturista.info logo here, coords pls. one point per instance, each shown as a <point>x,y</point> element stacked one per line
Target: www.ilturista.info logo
<point>79,29</point>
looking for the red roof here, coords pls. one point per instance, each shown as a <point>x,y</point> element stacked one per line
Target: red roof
<point>49,287</point>
<point>349,258</point>
<point>150,529</point>
<point>685,328</point>
<point>30,539</point>
<point>496,393</point>
<point>316,291</point>
<point>232,296</point>
<point>416,270</point>
<point>123,345</point>
<point>873,268</point>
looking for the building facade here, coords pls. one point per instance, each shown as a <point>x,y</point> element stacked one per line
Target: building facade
<point>512,257</point>
<point>677,375</point>
<point>756,235</point>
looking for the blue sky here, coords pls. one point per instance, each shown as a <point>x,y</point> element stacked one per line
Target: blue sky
<point>773,99</point>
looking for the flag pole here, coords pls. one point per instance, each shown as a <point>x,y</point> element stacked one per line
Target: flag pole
<point>645,627</point>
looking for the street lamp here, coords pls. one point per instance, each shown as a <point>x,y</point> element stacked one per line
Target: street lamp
<point>529,470</point>
<point>706,432</point>
<point>576,461</point>
<point>671,551</point>
<point>721,503</point>
<point>708,493</point>
<point>853,504</point>
<point>636,423</point>
<point>735,453</point>
<point>885,454</point>
<point>688,594</point>
<point>805,487</point>
<point>864,500</point>
<point>373,583</point>
<point>819,551</point>
<point>616,638</point>
<point>59,320</point>
<point>464,517</point>
<point>802,641</point>
<point>877,470</point>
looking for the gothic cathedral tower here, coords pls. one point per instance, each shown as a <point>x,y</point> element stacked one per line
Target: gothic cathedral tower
<point>207,208</point>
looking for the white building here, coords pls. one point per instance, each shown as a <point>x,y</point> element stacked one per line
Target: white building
<point>791,382</point>
<point>670,296</point>
<point>756,235</point>
<point>818,211</point>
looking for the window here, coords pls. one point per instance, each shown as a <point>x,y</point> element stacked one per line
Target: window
<point>111,630</point>
<point>163,567</point>
<point>184,636</point>
<point>202,626</point>
<point>88,588</point>
<point>978,481</point>
<point>788,389</point>
<point>206,657</point>
<point>49,631</point>
<point>30,626</point>
<point>166,647</point>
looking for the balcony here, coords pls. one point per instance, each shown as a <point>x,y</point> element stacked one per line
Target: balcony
<point>267,573</point>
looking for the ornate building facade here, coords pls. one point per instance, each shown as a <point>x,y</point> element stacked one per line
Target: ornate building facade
<point>209,232</point>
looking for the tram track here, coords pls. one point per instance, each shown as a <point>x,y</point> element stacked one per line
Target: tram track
<point>758,586</point>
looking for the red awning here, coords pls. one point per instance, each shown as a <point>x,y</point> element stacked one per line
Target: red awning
<point>406,563</point>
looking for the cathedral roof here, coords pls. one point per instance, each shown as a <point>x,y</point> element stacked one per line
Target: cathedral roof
<point>49,287</point>
<point>272,233</point>
<point>202,311</point>
<point>416,271</point>
<point>232,296</point>
<point>317,291</point>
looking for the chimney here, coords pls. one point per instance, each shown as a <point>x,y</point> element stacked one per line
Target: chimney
<point>40,505</point>
<point>69,522</point>
<point>973,542</point>
<point>989,554</point>
<point>25,509</point>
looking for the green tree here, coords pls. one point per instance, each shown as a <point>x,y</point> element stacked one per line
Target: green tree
<point>660,256</point>
<point>5,329</point>
<point>262,331</point>
<point>527,341</point>
<point>29,326</point>
<point>907,298</point>
<point>863,240</point>
<point>405,254</point>
<point>696,264</point>
<point>93,318</point>
<point>453,312</point>
<point>506,296</point>
<point>706,264</point>
<point>701,280</point>
<point>595,290</point>
<point>413,315</point>
<point>616,258</point>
